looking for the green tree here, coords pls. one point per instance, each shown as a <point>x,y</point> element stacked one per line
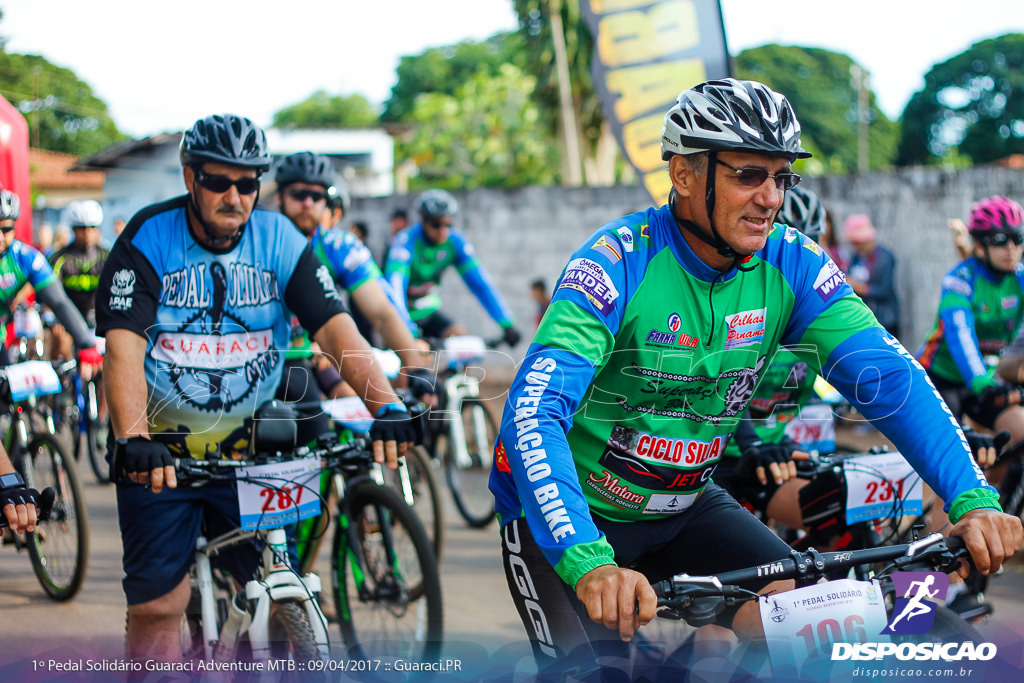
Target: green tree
<point>321,110</point>
<point>488,134</point>
<point>62,112</point>
<point>443,70</point>
<point>818,84</point>
<point>971,105</point>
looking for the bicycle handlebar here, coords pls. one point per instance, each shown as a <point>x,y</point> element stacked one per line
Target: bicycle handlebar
<point>699,599</point>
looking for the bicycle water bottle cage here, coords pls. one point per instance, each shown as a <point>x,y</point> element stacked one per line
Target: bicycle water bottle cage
<point>273,429</point>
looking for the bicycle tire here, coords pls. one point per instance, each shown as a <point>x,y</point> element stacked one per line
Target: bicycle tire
<point>59,547</point>
<point>468,482</point>
<point>95,435</point>
<point>380,616</point>
<point>427,503</point>
<point>290,634</point>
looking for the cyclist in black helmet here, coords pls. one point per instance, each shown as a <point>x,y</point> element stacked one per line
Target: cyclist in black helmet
<point>195,303</point>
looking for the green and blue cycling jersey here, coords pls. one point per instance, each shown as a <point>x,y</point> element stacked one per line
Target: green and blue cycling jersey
<point>351,266</point>
<point>21,264</point>
<point>782,390</point>
<point>415,267</point>
<point>979,314</point>
<point>645,359</point>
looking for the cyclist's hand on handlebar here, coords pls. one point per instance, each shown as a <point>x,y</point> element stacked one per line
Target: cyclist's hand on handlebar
<point>621,599</point>
<point>991,537</point>
<point>149,462</point>
<point>776,459</point>
<point>393,433</point>
<point>19,506</point>
<point>424,385</point>
<point>511,336</point>
<point>985,447</point>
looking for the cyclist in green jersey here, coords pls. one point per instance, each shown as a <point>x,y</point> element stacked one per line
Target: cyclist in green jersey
<point>981,308</point>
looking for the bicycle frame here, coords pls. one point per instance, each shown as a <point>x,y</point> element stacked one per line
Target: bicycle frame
<point>274,582</point>
<point>458,387</point>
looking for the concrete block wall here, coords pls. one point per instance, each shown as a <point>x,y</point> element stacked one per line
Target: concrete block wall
<point>528,233</point>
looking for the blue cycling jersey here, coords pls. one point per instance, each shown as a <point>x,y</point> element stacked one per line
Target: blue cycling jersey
<point>216,321</point>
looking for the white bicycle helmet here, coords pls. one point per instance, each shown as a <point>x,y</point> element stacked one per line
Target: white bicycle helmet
<point>86,212</point>
<point>726,115</point>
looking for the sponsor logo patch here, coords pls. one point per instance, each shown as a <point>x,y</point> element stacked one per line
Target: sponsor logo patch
<point>829,279</point>
<point>588,277</point>
<point>745,328</point>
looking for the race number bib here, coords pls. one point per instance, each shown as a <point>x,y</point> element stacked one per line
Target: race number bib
<point>814,429</point>
<point>279,493</point>
<point>880,486</point>
<point>32,378</point>
<point>802,624</point>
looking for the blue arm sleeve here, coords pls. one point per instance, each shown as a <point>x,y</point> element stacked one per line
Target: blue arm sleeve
<point>865,368</point>
<point>479,283</point>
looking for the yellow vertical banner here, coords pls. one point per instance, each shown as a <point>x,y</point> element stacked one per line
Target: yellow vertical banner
<point>645,54</point>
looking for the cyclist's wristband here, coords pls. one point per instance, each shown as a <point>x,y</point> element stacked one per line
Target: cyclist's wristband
<point>397,407</point>
<point>974,499</point>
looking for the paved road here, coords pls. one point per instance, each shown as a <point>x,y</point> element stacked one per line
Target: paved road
<point>481,626</point>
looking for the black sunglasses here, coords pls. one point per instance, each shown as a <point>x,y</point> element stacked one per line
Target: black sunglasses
<point>1001,239</point>
<point>6,228</point>
<point>222,183</point>
<point>755,177</point>
<point>302,195</point>
<point>438,224</point>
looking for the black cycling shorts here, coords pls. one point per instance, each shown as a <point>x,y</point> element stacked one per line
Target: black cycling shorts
<point>713,536</point>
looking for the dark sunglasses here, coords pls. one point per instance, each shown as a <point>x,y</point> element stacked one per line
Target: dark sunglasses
<point>755,177</point>
<point>222,183</point>
<point>1001,239</point>
<point>437,224</point>
<point>302,195</point>
<point>6,229</point>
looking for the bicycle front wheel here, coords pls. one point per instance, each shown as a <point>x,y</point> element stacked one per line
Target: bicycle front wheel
<point>467,472</point>
<point>387,591</point>
<point>59,547</point>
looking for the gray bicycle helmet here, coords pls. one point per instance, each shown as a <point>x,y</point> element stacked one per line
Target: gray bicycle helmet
<point>225,139</point>
<point>731,115</point>
<point>305,167</point>
<point>804,211</point>
<point>10,206</point>
<point>437,204</point>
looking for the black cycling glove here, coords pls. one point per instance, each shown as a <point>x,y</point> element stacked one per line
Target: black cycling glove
<point>394,423</point>
<point>21,495</point>
<point>421,381</point>
<point>142,455</point>
<point>993,400</point>
<point>761,454</point>
<point>511,336</point>
<point>977,441</point>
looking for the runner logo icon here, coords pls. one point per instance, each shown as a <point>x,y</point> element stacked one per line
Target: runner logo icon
<point>917,594</point>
